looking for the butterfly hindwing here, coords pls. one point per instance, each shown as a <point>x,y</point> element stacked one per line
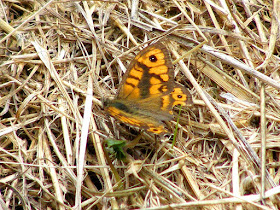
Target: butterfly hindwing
<point>138,119</point>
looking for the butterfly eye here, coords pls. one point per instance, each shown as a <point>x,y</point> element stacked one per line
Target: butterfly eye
<point>153,58</point>
<point>179,96</point>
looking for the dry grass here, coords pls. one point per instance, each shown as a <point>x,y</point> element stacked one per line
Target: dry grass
<point>60,60</point>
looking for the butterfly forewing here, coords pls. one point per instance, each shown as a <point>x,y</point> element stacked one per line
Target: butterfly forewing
<point>150,74</point>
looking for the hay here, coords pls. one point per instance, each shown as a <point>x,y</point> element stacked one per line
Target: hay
<point>59,61</point>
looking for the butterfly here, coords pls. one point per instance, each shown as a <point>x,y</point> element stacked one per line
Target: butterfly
<point>148,91</point>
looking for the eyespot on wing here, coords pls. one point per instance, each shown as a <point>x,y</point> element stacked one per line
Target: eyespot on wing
<point>181,96</point>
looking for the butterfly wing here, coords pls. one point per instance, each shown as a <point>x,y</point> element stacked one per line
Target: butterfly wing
<point>179,96</point>
<point>135,116</point>
<point>146,114</point>
<point>150,74</point>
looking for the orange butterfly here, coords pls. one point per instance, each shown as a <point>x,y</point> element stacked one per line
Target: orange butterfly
<point>148,91</point>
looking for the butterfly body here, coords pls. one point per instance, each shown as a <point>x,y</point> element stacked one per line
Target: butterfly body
<point>148,91</point>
